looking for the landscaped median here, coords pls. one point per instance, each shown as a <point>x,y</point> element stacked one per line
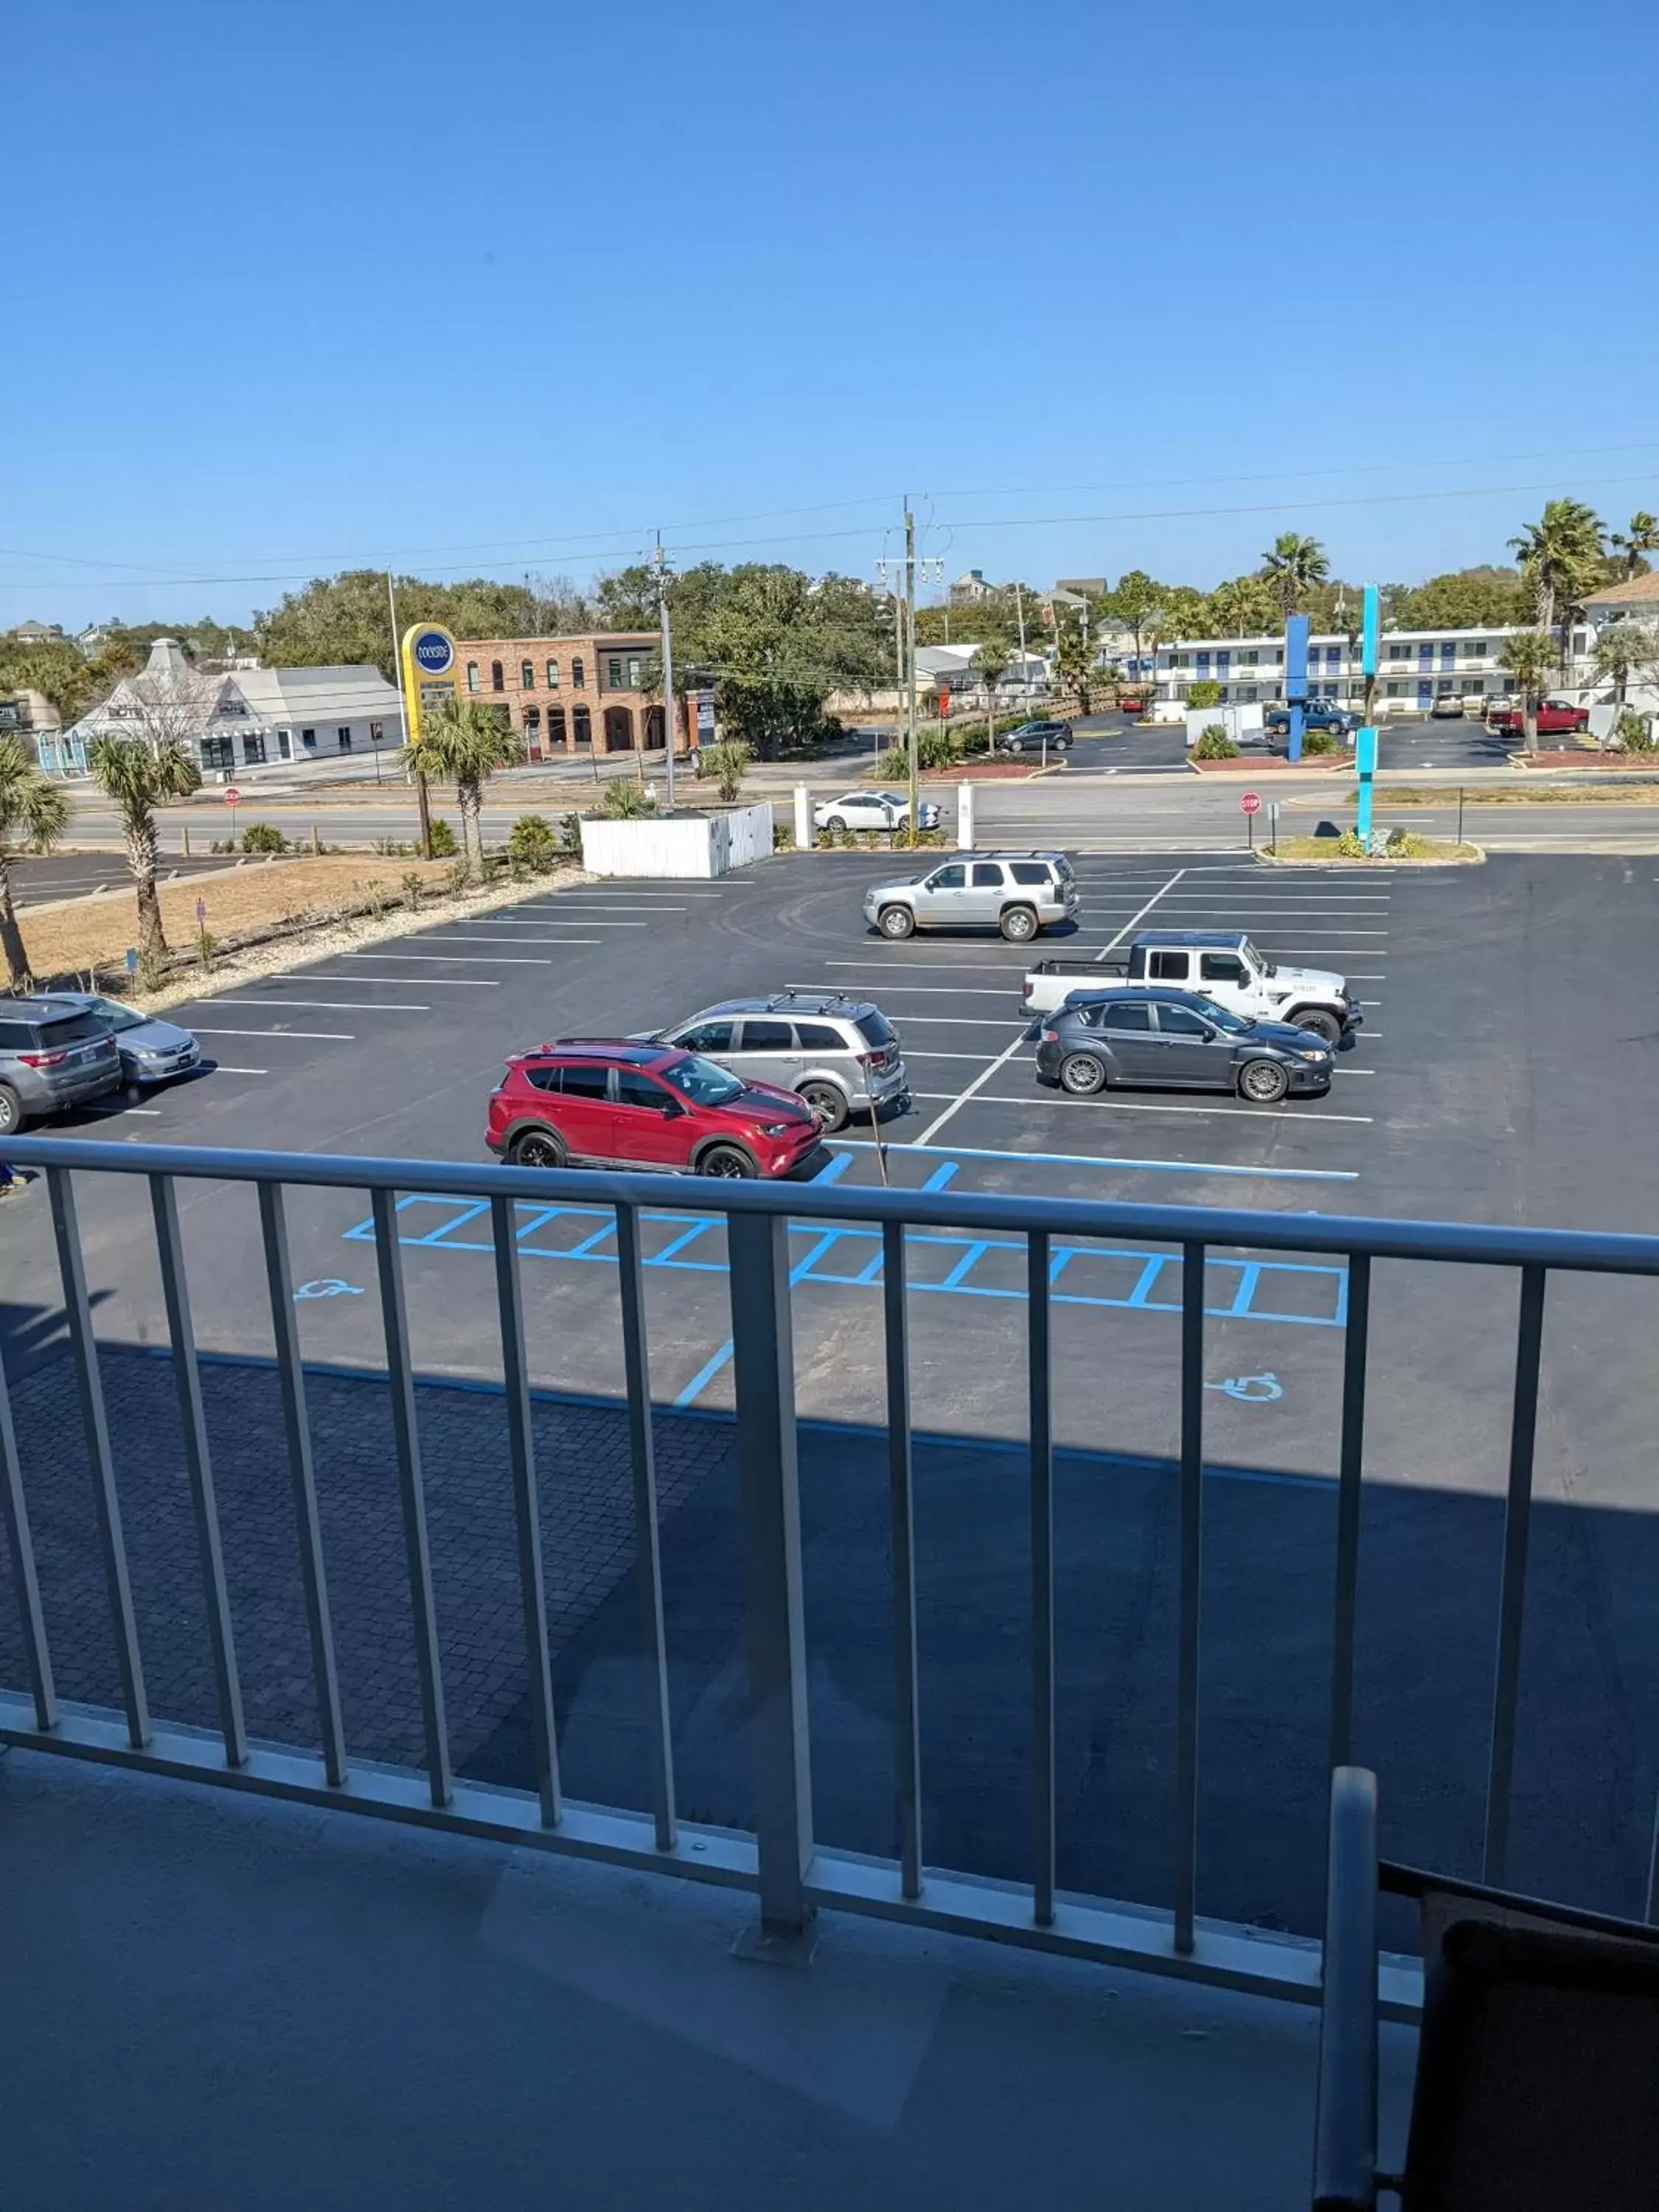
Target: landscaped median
<point>1404,849</point>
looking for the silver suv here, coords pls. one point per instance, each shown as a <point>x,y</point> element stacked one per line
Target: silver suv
<point>841,1054</point>
<point>1018,893</point>
<point>53,1054</point>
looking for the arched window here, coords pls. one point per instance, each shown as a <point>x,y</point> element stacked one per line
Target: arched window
<point>471,675</point>
<point>578,675</point>
<point>532,722</point>
<point>497,677</point>
<point>552,675</point>
<point>526,675</point>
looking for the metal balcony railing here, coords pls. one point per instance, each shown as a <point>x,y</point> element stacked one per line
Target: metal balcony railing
<point>780,1862</point>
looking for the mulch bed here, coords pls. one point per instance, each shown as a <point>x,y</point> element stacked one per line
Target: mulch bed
<point>1271,763</point>
<point>1618,762</point>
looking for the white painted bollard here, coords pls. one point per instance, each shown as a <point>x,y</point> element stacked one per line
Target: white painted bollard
<point>965,816</point>
<point>803,819</point>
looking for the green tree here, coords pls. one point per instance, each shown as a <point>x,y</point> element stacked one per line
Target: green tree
<point>1292,568</point>
<point>1633,546</point>
<point>56,670</point>
<point>1133,601</point>
<point>1625,649</point>
<point>344,620</point>
<point>1529,657</point>
<point>1243,607</point>
<point>1561,558</point>
<point>991,657</point>
<point>1207,692</point>
<point>464,743</point>
<point>140,777</point>
<point>1075,664</point>
<point>1481,598</point>
<point>34,816</point>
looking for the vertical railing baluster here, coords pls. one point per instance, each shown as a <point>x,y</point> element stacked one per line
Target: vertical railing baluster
<point>1040,1421</point>
<point>107,1503</point>
<point>763,1366</point>
<point>1348,1501</point>
<point>907,1714</point>
<point>1512,1589</point>
<point>406,1436</point>
<point>526,1514</point>
<point>20,1550</point>
<point>290,1378</point>
<point>198,1466</point>
<point>1192,1554</point>
<point>648,1546</point>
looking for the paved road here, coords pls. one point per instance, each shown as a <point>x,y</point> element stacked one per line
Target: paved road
<point>73,875</point>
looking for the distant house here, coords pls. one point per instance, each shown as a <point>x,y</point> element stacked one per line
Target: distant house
<point>1636,599</point>
<point>950,668</point>
<point>36,632</point>
<point>1082,587</point>
<point>968,587</point>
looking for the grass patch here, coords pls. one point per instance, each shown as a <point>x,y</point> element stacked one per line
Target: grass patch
<point>1641,791</point>
<point>1403,845</point>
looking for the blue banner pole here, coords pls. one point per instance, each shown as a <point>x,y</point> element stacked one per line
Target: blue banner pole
<point>1296,678</point>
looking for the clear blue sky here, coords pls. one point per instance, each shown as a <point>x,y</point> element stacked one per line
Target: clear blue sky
<point>491,287</point>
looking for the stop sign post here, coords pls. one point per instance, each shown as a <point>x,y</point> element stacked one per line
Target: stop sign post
<point>233,799</point>
<point>1250,804</point>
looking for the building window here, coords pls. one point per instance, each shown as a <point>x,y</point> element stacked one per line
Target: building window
<point>552,675</point>
<point>497,677</point>
<point>1396,652</point>
<point>377,733</point>
<point>578,675</point>
<point>284,744</point>
<point>526,675</point>
<point>253,750</point>
<point>1479,649</point>
<point>633,671</point>
<point>1252,659</point>
<point>614,675</point>
<point>308,738</point>
<point>1580,640</point>
<point>217,752</point>
<point>471,675</point>
<point>582,723</point>
<point>342,736</point>
<point>556,726</point>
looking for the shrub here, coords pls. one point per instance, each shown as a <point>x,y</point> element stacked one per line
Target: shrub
<point>623,800</point>
<point>444,846</point>
<point>1322,741</point>
<point>1634,734</point>
<point>726,761</point>
<point>263,837</point>
<point>1207,692</point>
<point>392,848</point>
<point>460,876</point>
<point>412,888</point>
<point>939,748</point>
<point>532,841</point>
<point>1350,845</point>
<point>570,832</point>
<point>1214,744</point>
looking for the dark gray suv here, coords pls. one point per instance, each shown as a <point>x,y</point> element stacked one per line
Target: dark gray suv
<point>53,1054</point>
<point>1178,1039</point>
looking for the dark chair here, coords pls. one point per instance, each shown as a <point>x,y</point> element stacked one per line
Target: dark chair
<point>1537,2085</point>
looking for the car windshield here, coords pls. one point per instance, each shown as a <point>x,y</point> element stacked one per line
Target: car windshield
<point>117,1017</point>
<point>1254,952</point>
<point>1223,1017</point>
<point>891,798</point>
<point>702,1081</point>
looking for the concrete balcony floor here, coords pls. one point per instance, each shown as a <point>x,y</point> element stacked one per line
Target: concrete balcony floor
<point>216,2002</point>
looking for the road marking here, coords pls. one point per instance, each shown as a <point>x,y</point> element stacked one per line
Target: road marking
<point>950,990</point>
<point>472,960</point>
<point>320,1037</point>
<point>341,1005</point>
<point>978,1084</point>
<point>496,937</point>
<point>1147,909</point>
<point>223,1068</point>
<point>1016,967</point>
<point>1127,1106</point>
<point>1100,1160</point>
<point>977,1056</point>
<point>962,1021</point>
<point>424,982</point>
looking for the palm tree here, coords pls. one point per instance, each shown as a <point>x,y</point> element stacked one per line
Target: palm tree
<point>990,657</point>
<point>1622,649</point>
<point>34,816</point>
<point>1293,567</point>
<point>1530,656</point>
<point>464,743</point>
<point>1633,546</point>
<point>1560,558</point>
<point>139,777</point>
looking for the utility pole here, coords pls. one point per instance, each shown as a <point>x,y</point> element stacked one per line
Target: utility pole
<point>1019,616</point>
<point>667,669</point>
<point>423,796</point>
<point>910,606</point>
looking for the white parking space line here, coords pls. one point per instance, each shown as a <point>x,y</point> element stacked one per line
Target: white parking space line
<point>319,1037</point>
<point>1311,1112</point>
<point>963,1021</point>
<point>480,937</point>
<point>960,1099</point>
<point>1134,918</point>
<point>335,1006</point>
<point>977,1057</point>
<point>490,937</point>
<point>472,960</point>
<point>404,982</point>
<point>224,1067</point>
<point>950,990</point>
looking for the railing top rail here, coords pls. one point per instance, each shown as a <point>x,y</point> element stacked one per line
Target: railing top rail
<point>1581,1250</point>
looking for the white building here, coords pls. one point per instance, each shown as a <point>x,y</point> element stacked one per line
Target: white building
<point>1414,667</point>
<point>952,668</point>
<point>240,719</point>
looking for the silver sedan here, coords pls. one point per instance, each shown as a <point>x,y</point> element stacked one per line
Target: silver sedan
<point>152,1050</point>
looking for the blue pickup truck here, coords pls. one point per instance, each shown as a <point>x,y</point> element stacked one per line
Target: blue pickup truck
<point>1317,714</point>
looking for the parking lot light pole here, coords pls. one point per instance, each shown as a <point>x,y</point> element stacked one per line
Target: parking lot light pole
<point>667,671</point>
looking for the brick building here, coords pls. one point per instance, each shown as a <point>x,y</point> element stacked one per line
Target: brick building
<point>566,694</point>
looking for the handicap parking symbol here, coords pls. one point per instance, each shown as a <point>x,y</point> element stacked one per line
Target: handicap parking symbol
<point>327,1286</point>
<point>1250,1389</point>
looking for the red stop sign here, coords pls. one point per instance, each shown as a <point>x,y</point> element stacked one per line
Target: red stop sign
<point>231,795</point>
<point>1250,801</point>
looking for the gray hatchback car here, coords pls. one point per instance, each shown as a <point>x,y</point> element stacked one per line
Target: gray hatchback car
<point>840,1055</point>
<point>53,1054</point>
<point>1018,893</point>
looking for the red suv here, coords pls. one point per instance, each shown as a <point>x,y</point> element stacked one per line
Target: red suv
<point>645,1106</point>
<point>1555,717</point>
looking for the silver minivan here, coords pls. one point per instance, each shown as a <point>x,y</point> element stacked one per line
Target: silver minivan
<point>1018,893</point>
<point>53,1054</point>
<point>841,1056</point>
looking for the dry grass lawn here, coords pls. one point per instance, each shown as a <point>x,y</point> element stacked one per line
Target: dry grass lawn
<point>96,932</point>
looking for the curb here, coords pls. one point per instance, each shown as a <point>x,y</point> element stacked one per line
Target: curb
<point>1473,860</point>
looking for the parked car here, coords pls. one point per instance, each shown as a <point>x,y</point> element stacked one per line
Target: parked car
<point>1179,1040</point>
<point>1448,707</point>
<point>1034,737</point>
<point>873,810</point>
<point>152,1051</point>
<point>1018,893</point>
<point>1131,703</point>
<point>645,1107</point>
<point>1316,715</point>
<point>841,1055</point>
<point>53,1054</point>
<point>1554,718</point>
<point>1222,964</point>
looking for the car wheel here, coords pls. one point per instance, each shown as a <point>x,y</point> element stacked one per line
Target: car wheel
<point>1018,925</point>
<point>895,921</point>
<point>537,1148</point>
<point>728,1160</point>
<point>1082,1075</point>
<point>1320,1023</point>
<point>11,1111</point>
<point>1264,1082</point>
<point>1013,744</point>
<point>829,1104</point>
<point>1059,744</point>
<point>836,821</point>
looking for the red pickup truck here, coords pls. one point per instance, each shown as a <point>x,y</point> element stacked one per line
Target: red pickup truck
<point>1556,718</point>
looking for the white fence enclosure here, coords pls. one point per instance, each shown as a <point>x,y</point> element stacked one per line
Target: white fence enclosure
<point>680,845</point>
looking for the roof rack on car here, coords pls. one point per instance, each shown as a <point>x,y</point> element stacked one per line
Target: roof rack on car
<point>830,996</point>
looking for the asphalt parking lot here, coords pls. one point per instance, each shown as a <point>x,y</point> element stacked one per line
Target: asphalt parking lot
<point>1487,1084</point>
<point>75,875</point>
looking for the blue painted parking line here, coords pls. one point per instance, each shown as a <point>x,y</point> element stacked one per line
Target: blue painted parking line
<point>1100,1160</point>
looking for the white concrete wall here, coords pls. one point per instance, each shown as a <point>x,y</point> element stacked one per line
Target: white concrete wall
<point>685,846</point>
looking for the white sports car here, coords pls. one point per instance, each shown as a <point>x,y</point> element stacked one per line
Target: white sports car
<point>872,809</point>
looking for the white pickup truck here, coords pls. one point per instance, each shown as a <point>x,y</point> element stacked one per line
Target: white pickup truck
<point>1222,964</point>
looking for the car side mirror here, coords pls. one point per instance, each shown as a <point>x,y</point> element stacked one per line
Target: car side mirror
<point>671,1109</point>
